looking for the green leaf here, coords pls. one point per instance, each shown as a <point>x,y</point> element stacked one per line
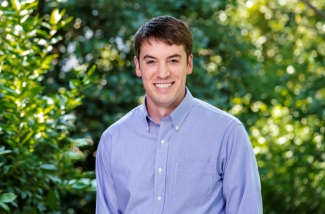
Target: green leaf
<point>74,155</point>
<point>10,117</point>
<point>74,83</point>
<point>68,117</point>
<point>83,88</point>
<point>28,136</point>
<point>62,127</point>
<point>48,167</point>
<point>55,17</point>
<point>7,197</point>
<point>3,57</point>
<point>79,185</point>
<point>42,42</point>
<point>80,142</point>
<point>23,195</point>
<point>10,105</point>
<point>62,12</point>
<point>5,152</point>
<point>42,33</point>
<point>11,143</point>
<point>46,25</point>
<point>5,206</point>
<point>6,169</point>
<point>8,89</point>
<point>46,62</point>
<point>55,179</point>
<point>30,5</point>
<point>8,127</point>
<point>55,40</point>
<point>47,110</point>
<point>29,210</point>
<point>91,71</point>
<point>15,4</point>
<point>41,207</point>
<point>68,20</point>
<point>8,12</point>
<point>51,199</point>
<point>13,203</point>
<point>34,91</point>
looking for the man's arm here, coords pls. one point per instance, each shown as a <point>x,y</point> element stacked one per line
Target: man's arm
<point>106,201</point>
<point>241,181</point>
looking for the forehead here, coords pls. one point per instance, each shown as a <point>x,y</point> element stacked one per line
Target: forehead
<point>159,48</point>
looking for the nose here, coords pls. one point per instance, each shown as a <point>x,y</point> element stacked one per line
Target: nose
<point>163,71</point>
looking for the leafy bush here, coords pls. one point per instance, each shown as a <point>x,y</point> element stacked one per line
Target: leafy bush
<point>36,152</point>
<point>262,61</point>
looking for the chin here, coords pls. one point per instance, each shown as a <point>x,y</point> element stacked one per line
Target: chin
<point>163,101</point>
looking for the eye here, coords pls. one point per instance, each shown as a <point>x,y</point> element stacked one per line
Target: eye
<point>173,61</point>
<point>150,62</point>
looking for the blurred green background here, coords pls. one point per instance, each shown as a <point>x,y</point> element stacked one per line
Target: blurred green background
<point>67,74</point>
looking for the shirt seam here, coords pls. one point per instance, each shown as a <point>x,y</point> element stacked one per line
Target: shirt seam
<point>190,109</point>
<point>225,141</point>
<point>232,119</point>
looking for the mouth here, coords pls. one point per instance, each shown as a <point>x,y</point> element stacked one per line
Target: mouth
<point>164,86</point>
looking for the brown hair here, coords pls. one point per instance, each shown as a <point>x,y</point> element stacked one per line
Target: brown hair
<point>166,29</point>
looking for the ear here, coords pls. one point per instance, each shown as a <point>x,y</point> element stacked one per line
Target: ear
<point>137,67</point>
<point>190,64</point>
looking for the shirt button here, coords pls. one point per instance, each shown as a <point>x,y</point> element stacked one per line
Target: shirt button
<point>159,198</point>
<point>160,170</point>
<point>162,142</point>
<point>177,127</point>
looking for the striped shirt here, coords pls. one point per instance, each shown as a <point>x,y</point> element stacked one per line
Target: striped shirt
<point>198,160</point>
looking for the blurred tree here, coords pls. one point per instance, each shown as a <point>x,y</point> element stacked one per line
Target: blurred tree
<point>259,60</point>
<point>36,153</point>
<point>262,61</point>
<point>289,98</point>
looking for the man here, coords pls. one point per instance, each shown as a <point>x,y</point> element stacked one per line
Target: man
<point>174,154</point>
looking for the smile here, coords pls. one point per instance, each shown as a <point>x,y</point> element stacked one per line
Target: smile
<point>163,86</point>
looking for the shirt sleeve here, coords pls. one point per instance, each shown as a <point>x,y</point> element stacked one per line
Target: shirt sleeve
<point>106,200</point>
<point>241,180</point>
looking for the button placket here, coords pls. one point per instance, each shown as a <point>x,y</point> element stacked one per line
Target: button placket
<point>161,163</point>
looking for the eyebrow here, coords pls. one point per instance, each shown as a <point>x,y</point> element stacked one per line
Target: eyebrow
<point>152,57</point>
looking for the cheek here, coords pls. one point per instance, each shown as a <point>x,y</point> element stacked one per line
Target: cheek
<point>146,76</point>
<point>148,73</point>
<point>178,70</point>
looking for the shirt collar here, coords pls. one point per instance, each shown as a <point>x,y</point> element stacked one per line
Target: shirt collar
<point>143,108</point>
<point>178,115</point>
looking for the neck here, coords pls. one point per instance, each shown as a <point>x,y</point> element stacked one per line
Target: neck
<point>157,111</point>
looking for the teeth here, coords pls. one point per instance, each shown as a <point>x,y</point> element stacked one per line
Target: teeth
<point>163,85</point>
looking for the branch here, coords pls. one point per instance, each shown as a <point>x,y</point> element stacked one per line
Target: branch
<point>316,11</point>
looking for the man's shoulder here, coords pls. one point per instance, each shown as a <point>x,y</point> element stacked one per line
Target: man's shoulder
<point>128,121</point>
<point>213,112</point>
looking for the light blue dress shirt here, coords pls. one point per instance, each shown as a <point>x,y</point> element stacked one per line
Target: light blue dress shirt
<point>199,160</point>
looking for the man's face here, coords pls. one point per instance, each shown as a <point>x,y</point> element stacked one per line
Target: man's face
<point>163,69</point>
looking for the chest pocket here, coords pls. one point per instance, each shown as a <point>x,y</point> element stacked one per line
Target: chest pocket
<point>193,182</point>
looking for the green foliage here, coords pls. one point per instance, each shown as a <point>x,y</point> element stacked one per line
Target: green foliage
<point>6,198</point>
<point>262,61</point>
<point>36,152</point>
<point>288,133</point>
